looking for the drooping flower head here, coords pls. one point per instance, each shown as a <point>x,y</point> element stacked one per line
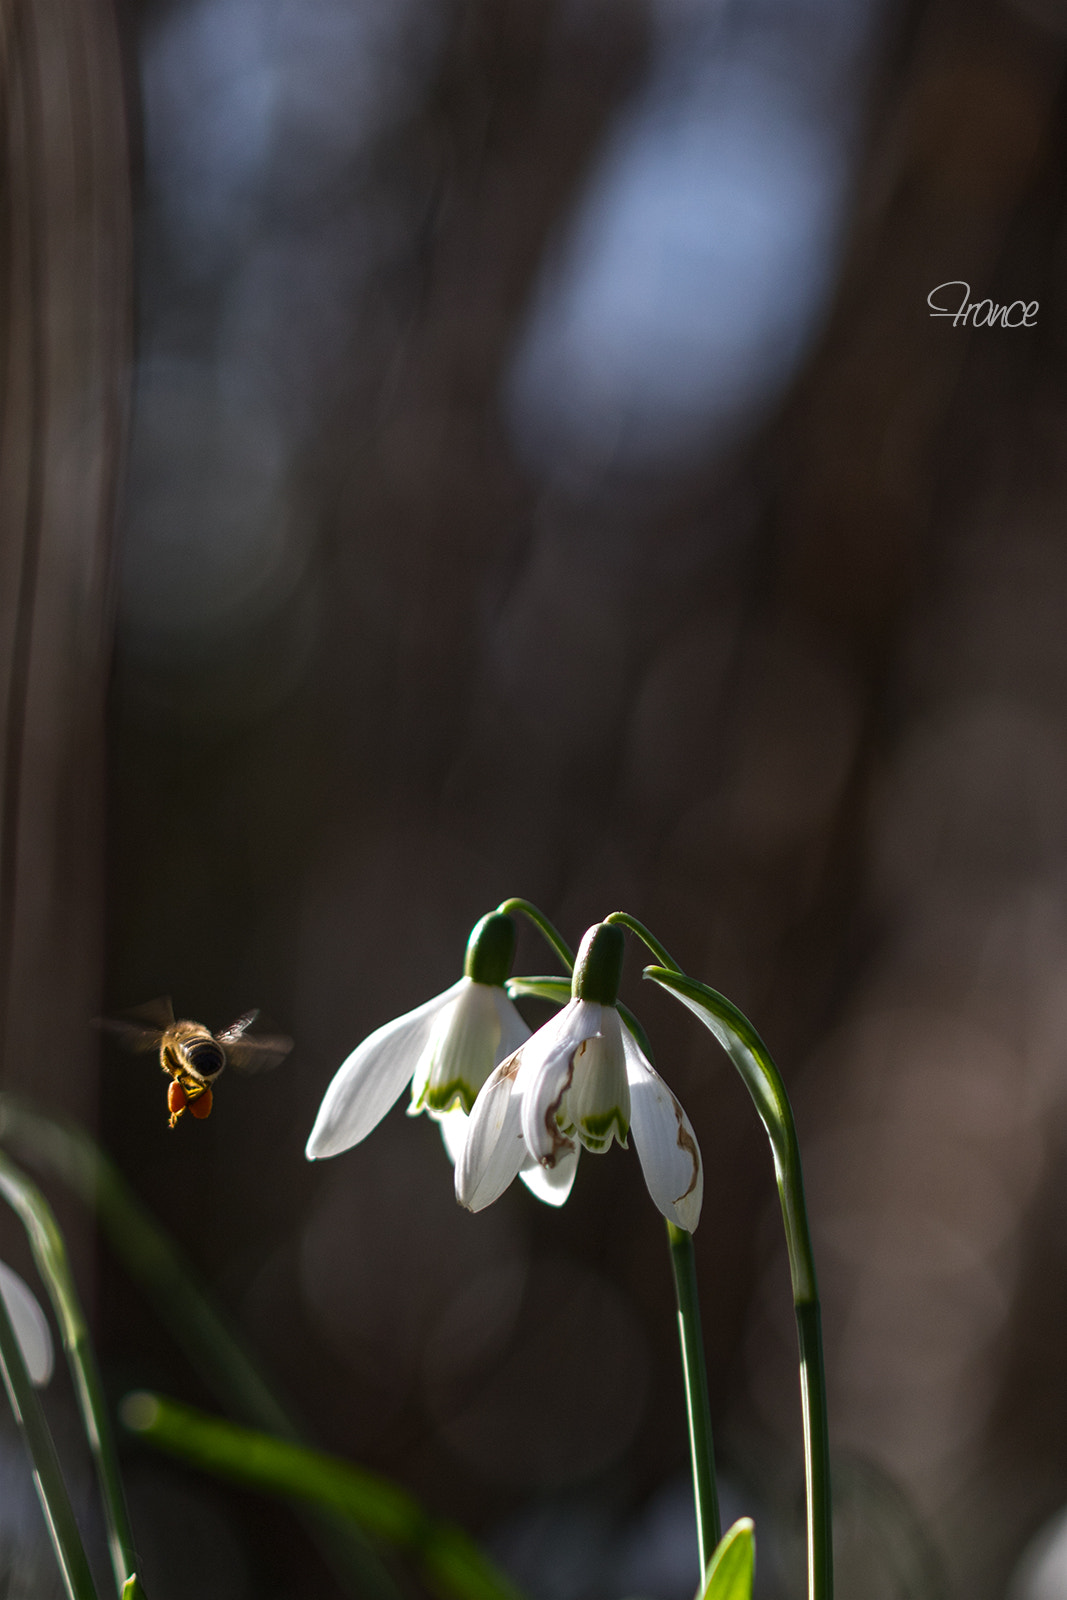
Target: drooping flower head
<point>445,1049</point>
<point>580,1080</point>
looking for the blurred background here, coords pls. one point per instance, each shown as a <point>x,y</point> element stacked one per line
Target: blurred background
<point>539,473</point>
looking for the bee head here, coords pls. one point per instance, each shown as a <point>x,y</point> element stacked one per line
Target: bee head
<point>206,1057</point>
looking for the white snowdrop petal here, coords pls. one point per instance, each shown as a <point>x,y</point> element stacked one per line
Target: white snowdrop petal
<point>30,1325</point>
<point>513,1031</point>
<point>665,1141</point>
<point>551,1184</point>
<point>369,1081</point>
<point>461,1052</point>
<point>493,1150</point>
<point>547,1076</point>
<point>598,1101</point>
<point>453,1126</point>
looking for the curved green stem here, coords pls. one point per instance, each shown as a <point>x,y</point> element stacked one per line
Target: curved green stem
<point>541,922</point>
<point>624,920</point>
<point>764,1083</point>
<point>50,1256</point>
<point>694,1371</point>
<point>47,1476</point>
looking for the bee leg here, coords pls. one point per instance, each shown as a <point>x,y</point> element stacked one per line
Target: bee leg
<point>201,1106</point>
<point>176,1102</point>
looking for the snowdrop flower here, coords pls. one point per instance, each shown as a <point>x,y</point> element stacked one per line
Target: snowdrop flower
<point>445,1049</point>
<point>30,1325</point>
<point>582,1080</point>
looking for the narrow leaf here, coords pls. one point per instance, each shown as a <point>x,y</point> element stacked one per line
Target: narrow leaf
<point>50,1255</point>
<point>558,990</point>
<point>47,1474</point>
<point>453,1564</point>
<point>216,1352</point>
<point>733,1565</point>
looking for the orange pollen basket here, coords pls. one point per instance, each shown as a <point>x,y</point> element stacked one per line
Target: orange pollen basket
<point>201,1106</point>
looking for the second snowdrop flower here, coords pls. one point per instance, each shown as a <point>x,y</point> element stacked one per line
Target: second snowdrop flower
<point>445,1049</point>
<point>582,1080</point>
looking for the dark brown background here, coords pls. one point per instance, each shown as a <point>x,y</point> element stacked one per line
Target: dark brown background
<point>785,676</point>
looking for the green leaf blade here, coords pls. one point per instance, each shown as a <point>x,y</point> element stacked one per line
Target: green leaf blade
<point>733,1566</point>
<point>453,1564</point>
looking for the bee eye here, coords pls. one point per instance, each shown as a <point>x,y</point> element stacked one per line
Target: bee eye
<point>206,1058</point>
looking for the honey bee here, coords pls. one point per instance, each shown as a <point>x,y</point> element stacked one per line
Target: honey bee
<point>192,1056</point>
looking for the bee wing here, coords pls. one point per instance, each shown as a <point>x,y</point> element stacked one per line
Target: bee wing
<point>130,1035</point>
<point>141,1027</point>
<point>258,1053</point>
<point>158,1014</point>
<point>229,1036</point>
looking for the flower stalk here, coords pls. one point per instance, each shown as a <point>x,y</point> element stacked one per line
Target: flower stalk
<point>551,933</point>
<point>764,1083</point>
<point>698,1410</point>
<point>623,919</point>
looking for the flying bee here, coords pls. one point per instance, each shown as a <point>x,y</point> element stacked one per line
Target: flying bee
<point>192,1056</point>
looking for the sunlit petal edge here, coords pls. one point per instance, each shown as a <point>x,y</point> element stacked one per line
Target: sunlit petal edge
<point>493,1150</point>
<point>665,1141</point>
<point>373,1077</point>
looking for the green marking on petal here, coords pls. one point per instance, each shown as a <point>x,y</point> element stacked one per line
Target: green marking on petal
<point>597,1130</point>
<point>445,1097</point>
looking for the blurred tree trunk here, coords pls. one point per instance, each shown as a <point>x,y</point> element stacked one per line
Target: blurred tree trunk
<point>64,345</point>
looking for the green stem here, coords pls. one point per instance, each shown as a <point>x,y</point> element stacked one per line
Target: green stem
<point>694,1371</point>
<point>211,1346</point>
<point>816,1449</point>
<point>50,1255</point>
<point>624,920</point>
<point>764,1083</point>
<point>47,1477</point>
<point>453,1564</point>
<point>541,922</point>
<point>558,990</point>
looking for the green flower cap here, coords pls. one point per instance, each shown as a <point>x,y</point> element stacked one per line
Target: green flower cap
<point>491,949</point>
<point>598,969</point>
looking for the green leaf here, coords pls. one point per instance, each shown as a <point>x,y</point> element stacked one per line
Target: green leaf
<point>453,1565</point>
<point>50,1254</point>
<point>133,1589</point>
<point>732,1567</point>
<point>47,1475</point>
<point>217,1353</point>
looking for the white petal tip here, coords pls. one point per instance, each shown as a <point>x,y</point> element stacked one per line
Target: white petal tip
<point>551,1185</point>
<point>323,1142</point>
